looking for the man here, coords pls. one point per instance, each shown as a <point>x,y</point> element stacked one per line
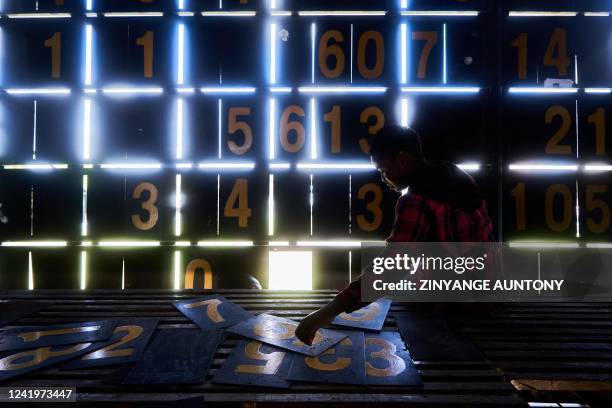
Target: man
<point>443,205</point>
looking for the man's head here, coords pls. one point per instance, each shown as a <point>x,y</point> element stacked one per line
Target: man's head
<point>396,153</point>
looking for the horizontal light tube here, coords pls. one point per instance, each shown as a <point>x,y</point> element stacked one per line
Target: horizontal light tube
<point>335,166</point>
<point>116,91</point>
<point>542,90</point>
<point>348,13</point>
<point>38,91</point>
<point>39,15</point>
<point>331,244</point>
<point>226,166</point>
<point>229,13</point>
<point>32,244</point>
<point>543,167</point>
<point>467,13</point>
<point>225,244</point>
<point>134,14</point>
<point>542,14</point>
<point>225,90</point>
<point>441,89</point>
<point>35,166</point>
<point>125,244</point>
<point>342,89</point>
<point>130,166</point>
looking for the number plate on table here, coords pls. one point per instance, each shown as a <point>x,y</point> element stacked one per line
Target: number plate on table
<point>341,364</point>
<point>281,332</point>
<point>176,356</point>
<point>255,363</point>
<point>126,345</point>
<point>41,336</point>
<point>370,317</point>
<point>212,312</point>
<point>14,363</point>
<point>388,362</point>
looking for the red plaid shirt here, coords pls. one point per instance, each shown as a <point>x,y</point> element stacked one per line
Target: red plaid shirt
<point>420,219</point>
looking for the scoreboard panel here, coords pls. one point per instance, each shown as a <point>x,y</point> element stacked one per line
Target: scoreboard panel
<point>174,144</point>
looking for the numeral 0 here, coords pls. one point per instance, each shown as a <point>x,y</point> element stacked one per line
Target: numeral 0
<point>552,193</point>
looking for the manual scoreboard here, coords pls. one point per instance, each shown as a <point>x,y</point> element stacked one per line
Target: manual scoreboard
<point>176,144</point>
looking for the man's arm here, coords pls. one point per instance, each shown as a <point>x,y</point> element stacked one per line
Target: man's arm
<point>410,224</point>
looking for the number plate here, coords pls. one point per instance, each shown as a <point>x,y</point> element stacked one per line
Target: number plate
<point>212,312</point>
<point>388,362</point>
<point>126,345</point>
<point>280,332</point>
<point>42,336</point>
<point>176,356</point>
<point>255,363</point>
<point>343,363</point>
<point>370,317</point>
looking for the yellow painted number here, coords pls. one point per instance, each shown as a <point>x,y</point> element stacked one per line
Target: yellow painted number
<point>146,41</point>
<point>241,211</point>
<point>132,332</point>
<point>212,309</point>
<point>334,50</point>
<point>147,205</point>
<point>55,43</point>
<point>431,39</point>
<point>395,364</point>
<point>235,125</point>
<point>195,265</point>
<point>372,206</point>
<point>553,146</point>
<point>253,351</point>
<point>593,204</point>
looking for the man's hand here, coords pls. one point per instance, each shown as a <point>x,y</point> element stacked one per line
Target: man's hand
<point>307,329</point>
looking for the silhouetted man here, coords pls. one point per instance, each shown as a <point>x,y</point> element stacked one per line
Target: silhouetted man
<point>443,204</point>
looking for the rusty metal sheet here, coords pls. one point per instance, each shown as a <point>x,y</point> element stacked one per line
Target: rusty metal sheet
<point>40,336</point>
<point>256,363</point>
<point>280,332</point>
<point>370,317</point>
<point>343,363</point>
<point>212,312</point>
<point>388,362</point>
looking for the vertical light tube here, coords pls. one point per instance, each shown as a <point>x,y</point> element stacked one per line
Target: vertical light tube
<point>313,31</point>
<point>272,53</point>
<point>30,272</point>
<point>403,52</point>
<point>444,74</point>
<point>84,222</point>
<point>179,129</point>
<point>181,55</point>
<point>83,270</point>
<point>34,130</point>
<point>271,205</point>
<point>87,129</point>
<point>123,274</point>
<point>178,204</point>
<point>313,129</point>
<point>272,130</point>
<point>219,127</point>
<point>88,54</point>
<point>177,270</point>
<point>311,202</point>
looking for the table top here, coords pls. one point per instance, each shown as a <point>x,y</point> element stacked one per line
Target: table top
<point>531,348</point>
